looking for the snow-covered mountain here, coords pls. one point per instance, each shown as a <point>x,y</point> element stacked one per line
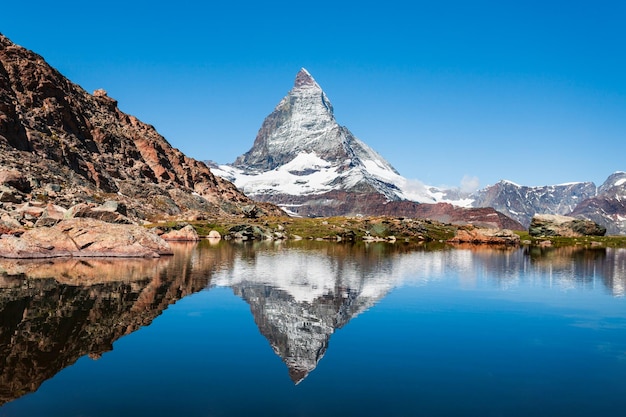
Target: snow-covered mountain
<point>301,150</point>
<point>305,162</point>
<point>605,205</point>
<point>521,202</point>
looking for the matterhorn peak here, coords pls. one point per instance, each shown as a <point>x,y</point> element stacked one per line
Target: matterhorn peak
<point>304,78</point>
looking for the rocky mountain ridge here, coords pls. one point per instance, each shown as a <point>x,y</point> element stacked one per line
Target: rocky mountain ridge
<point>73,147</point>
<point>602,204</point>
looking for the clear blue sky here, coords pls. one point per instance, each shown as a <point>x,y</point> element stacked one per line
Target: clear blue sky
<point>533,91</point>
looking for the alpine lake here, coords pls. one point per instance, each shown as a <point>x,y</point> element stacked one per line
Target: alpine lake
<point>317,329</point>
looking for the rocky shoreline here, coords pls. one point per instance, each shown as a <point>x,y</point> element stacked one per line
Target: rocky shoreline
<point>90,237</point>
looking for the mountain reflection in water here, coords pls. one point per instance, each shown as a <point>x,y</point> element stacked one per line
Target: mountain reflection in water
<point>53,312</point>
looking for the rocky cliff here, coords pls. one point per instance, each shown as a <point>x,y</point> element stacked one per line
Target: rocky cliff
<point>72,146</point>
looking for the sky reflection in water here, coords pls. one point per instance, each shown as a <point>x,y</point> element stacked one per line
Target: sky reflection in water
<point>362,330</point>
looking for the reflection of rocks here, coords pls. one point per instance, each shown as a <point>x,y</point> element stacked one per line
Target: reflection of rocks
<point>82,271</point>
<point>578,266</point>
<point>567,267</point>
<point>298,292</point>
<point>48,323</point>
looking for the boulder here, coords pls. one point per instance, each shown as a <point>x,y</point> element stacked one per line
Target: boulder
<point>85,238</point>
<point>556,225</point>
<point>110,212</point>
<point>9,224</point>
<point>29,211</point>
<point>470,234</point>
<point>15,179</point>
<point>186,234</point>
<point>214,234</point>
<point>51,215</point>
<point>42,242</point>
<point>10,195</point>
<point>248,232</point>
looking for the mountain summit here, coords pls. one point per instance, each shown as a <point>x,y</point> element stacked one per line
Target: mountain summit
<point>308,164</point>
<point>302,140</point>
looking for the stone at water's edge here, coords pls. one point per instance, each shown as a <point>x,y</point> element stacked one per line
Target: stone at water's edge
<point>555,225</point>
<point>85,237</point>
<point>186,234</point>
<point>470,234</point>
<point>214,234</point>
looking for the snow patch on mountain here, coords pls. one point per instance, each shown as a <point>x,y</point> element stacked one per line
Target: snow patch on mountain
<point>308,174</point>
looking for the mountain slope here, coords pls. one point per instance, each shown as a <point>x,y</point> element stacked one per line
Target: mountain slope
<point>72,147</point>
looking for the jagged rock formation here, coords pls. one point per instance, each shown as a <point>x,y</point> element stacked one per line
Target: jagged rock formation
<point>302,150</point>
<point>72,147</point>
<point>608,207</point>
<point>603,205</point>
<point>305,162</point>
<point>522,203</point>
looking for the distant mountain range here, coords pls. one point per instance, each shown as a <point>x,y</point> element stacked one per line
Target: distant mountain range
<point>305,162</point>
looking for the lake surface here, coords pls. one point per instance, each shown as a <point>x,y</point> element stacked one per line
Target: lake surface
<point>309,329</point>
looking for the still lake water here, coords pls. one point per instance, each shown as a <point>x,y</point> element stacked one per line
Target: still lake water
<point>309,329</point>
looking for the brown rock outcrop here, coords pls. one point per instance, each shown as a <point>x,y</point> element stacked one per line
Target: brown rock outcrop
<point>66,146</point>
<point>84,238</point>
<point>186,234</point>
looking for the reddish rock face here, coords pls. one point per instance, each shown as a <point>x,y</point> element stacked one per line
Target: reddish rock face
<point>82,145</point>
<point>84,238</point>
<point>372,204</point>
